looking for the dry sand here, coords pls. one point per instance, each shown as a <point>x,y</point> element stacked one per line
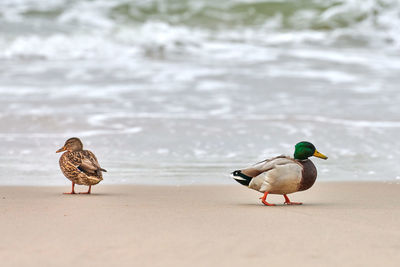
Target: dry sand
<point>340,224</point>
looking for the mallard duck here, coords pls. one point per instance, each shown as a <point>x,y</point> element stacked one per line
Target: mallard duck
<point>282,175</point>
<point>79,166</point>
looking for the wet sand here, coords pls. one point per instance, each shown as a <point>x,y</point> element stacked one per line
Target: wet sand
<point>340,224</point>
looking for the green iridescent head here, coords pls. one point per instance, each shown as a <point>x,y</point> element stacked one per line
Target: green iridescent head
<point>304,150</point>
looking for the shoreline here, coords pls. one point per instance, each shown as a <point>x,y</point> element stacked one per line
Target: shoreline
<point>339,224</point>
<point>228,184</point>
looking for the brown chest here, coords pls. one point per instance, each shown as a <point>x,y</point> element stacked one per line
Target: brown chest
<point>309,175</point>
<point>66,165</point>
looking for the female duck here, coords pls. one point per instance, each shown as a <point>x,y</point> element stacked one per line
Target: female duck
<point>79,166</point>
<point>282,175</point>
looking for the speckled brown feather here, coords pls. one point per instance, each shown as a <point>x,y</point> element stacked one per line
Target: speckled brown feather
<point>81,167</point>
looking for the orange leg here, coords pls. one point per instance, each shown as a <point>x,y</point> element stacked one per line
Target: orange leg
<point>263,200</point>
<point>73,191</point>
<point>288,202</point>
<point>88,192</point>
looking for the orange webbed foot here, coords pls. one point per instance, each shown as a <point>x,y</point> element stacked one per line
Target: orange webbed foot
<point>88,192</point>
<point>72,190</point>
<point>288,202</point>
<point>264,201</point>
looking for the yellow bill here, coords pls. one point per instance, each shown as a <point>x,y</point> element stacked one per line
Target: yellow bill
<point>319,155</point>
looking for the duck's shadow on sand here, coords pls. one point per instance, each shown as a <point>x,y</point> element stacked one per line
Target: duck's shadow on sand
<point>321,204</point>
<point>90,195</point>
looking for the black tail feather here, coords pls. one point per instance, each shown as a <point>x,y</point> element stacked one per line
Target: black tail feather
<point>241,178</point>
<point>99,170</point>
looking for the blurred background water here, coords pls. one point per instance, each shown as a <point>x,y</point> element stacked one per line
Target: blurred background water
<point>185,91</point>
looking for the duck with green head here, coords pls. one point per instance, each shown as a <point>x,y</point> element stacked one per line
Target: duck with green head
<point>282,175</point>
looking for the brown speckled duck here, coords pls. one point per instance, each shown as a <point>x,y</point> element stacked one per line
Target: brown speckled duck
<point>79,166</point>
<point>282,175</point>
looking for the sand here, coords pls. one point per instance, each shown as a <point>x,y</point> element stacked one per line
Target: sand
<point>340,224</point>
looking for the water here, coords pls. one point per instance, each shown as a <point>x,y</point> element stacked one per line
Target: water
<point>183,92</point>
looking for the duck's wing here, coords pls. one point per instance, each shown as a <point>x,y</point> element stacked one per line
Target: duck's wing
<point>89,163</point>
<point>86,162</point>
<point>266,165</point>
<point>280,176</point>
<point>276,173</point>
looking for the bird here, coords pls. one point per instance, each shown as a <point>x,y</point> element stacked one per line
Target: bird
<point>79,166</point>
<point>282,175</point>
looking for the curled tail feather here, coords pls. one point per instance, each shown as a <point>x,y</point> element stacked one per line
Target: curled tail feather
<point>241,178</point>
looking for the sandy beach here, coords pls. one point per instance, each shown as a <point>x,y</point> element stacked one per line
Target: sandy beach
<point>179,94</point>
<point>340,224</point>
